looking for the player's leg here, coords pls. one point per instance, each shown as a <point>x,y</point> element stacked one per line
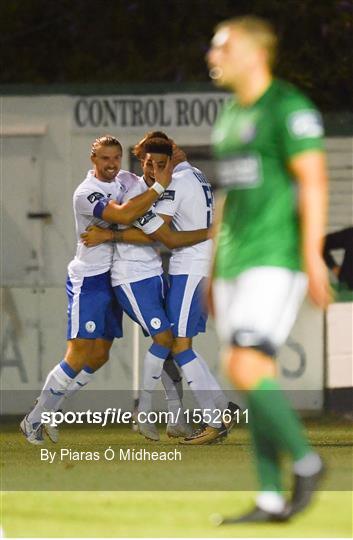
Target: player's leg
<point>153,366</point>
<point>229,407</point>
<point>143,302</point>
<point>186,311</point>
<point>100,355</point>
<point>111,327</point>
<point>57,382</point>
<point>90,298</point>
<point>261,307</point>
<point>173,386</point>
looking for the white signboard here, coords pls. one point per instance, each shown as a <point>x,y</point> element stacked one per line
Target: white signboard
<point>164,111</point>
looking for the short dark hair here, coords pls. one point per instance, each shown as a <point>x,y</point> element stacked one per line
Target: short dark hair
<point>105,140</point>
<point>156,145</point>
<point>158,137</point>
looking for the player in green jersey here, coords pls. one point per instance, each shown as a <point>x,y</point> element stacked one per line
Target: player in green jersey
<point>271,168</point>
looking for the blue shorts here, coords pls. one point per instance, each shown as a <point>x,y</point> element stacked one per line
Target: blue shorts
<point>93,310</point>
<point>185,305</point>
<point>144,302</point>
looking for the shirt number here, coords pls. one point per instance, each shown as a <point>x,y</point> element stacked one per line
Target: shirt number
<point>209,203</point>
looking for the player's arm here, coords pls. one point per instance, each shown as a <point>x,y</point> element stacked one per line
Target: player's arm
<point>176,239</point>
<point>93,236</point>
<point>172,239</point>
<point>309,169</point>
<point>126,213</point>
<point>300,138</point>
<point>165,235</point>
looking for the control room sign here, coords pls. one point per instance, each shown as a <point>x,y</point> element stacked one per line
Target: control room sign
<point>184,111</point>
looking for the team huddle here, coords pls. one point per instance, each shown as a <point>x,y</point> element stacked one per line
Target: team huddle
<point>119,269</point>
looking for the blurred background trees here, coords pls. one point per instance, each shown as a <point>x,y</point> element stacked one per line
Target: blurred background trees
<point>135,41</point>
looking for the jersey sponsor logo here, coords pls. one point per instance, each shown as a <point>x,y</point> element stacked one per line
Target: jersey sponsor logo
<point>95,197</point>
<point>305,124</point>
<point>143,220</point>
<point>156,323</point>
<point>167,195</point>
<point>90,326</point>
<point>243,171</point>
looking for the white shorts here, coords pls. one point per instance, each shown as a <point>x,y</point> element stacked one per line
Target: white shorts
<point>259,307</point>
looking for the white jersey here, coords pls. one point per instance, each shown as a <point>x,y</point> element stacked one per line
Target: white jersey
<point>133,262</point>
<point>189,200</point>
<point>91,261</point>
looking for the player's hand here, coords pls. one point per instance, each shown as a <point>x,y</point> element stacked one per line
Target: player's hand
<point>163,176</point>
<point>93,236</point>
<point>319,286</point>
<point>178,155</point>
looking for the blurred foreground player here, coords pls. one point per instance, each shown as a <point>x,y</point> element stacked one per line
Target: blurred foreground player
<point>94,316</point>
<point>268,142</point>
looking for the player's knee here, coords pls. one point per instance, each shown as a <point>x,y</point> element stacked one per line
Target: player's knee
<point>246,367</point>
<point>96,363</point>
<point>231,365</point>
<point>238,368</point>
<point>165,339</point>
<point>79,351</point>
<point>100,356</point>
<point>180,345</point>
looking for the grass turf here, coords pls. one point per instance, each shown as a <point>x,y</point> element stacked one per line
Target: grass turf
<point>178,512</point>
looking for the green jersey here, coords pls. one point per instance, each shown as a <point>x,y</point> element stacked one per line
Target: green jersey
<point>253,146</point>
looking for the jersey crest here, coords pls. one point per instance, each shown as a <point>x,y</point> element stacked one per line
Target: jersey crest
<point>95,197</point>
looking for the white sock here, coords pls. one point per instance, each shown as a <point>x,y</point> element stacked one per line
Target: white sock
<point>53,392</point>
<point>82,379</point>
<point>308,465</point>
<point>198,380</point>
<point>271,501</point>
<point>173,386</point>
<point>152,371</point>
<point>217,393</point>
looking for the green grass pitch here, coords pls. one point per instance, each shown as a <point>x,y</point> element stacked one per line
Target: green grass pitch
<point>158,499</point>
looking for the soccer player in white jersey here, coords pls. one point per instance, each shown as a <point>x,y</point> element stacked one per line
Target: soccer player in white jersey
<point>94,316</point>
<point>188,204</point>
<point>140,287</point>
